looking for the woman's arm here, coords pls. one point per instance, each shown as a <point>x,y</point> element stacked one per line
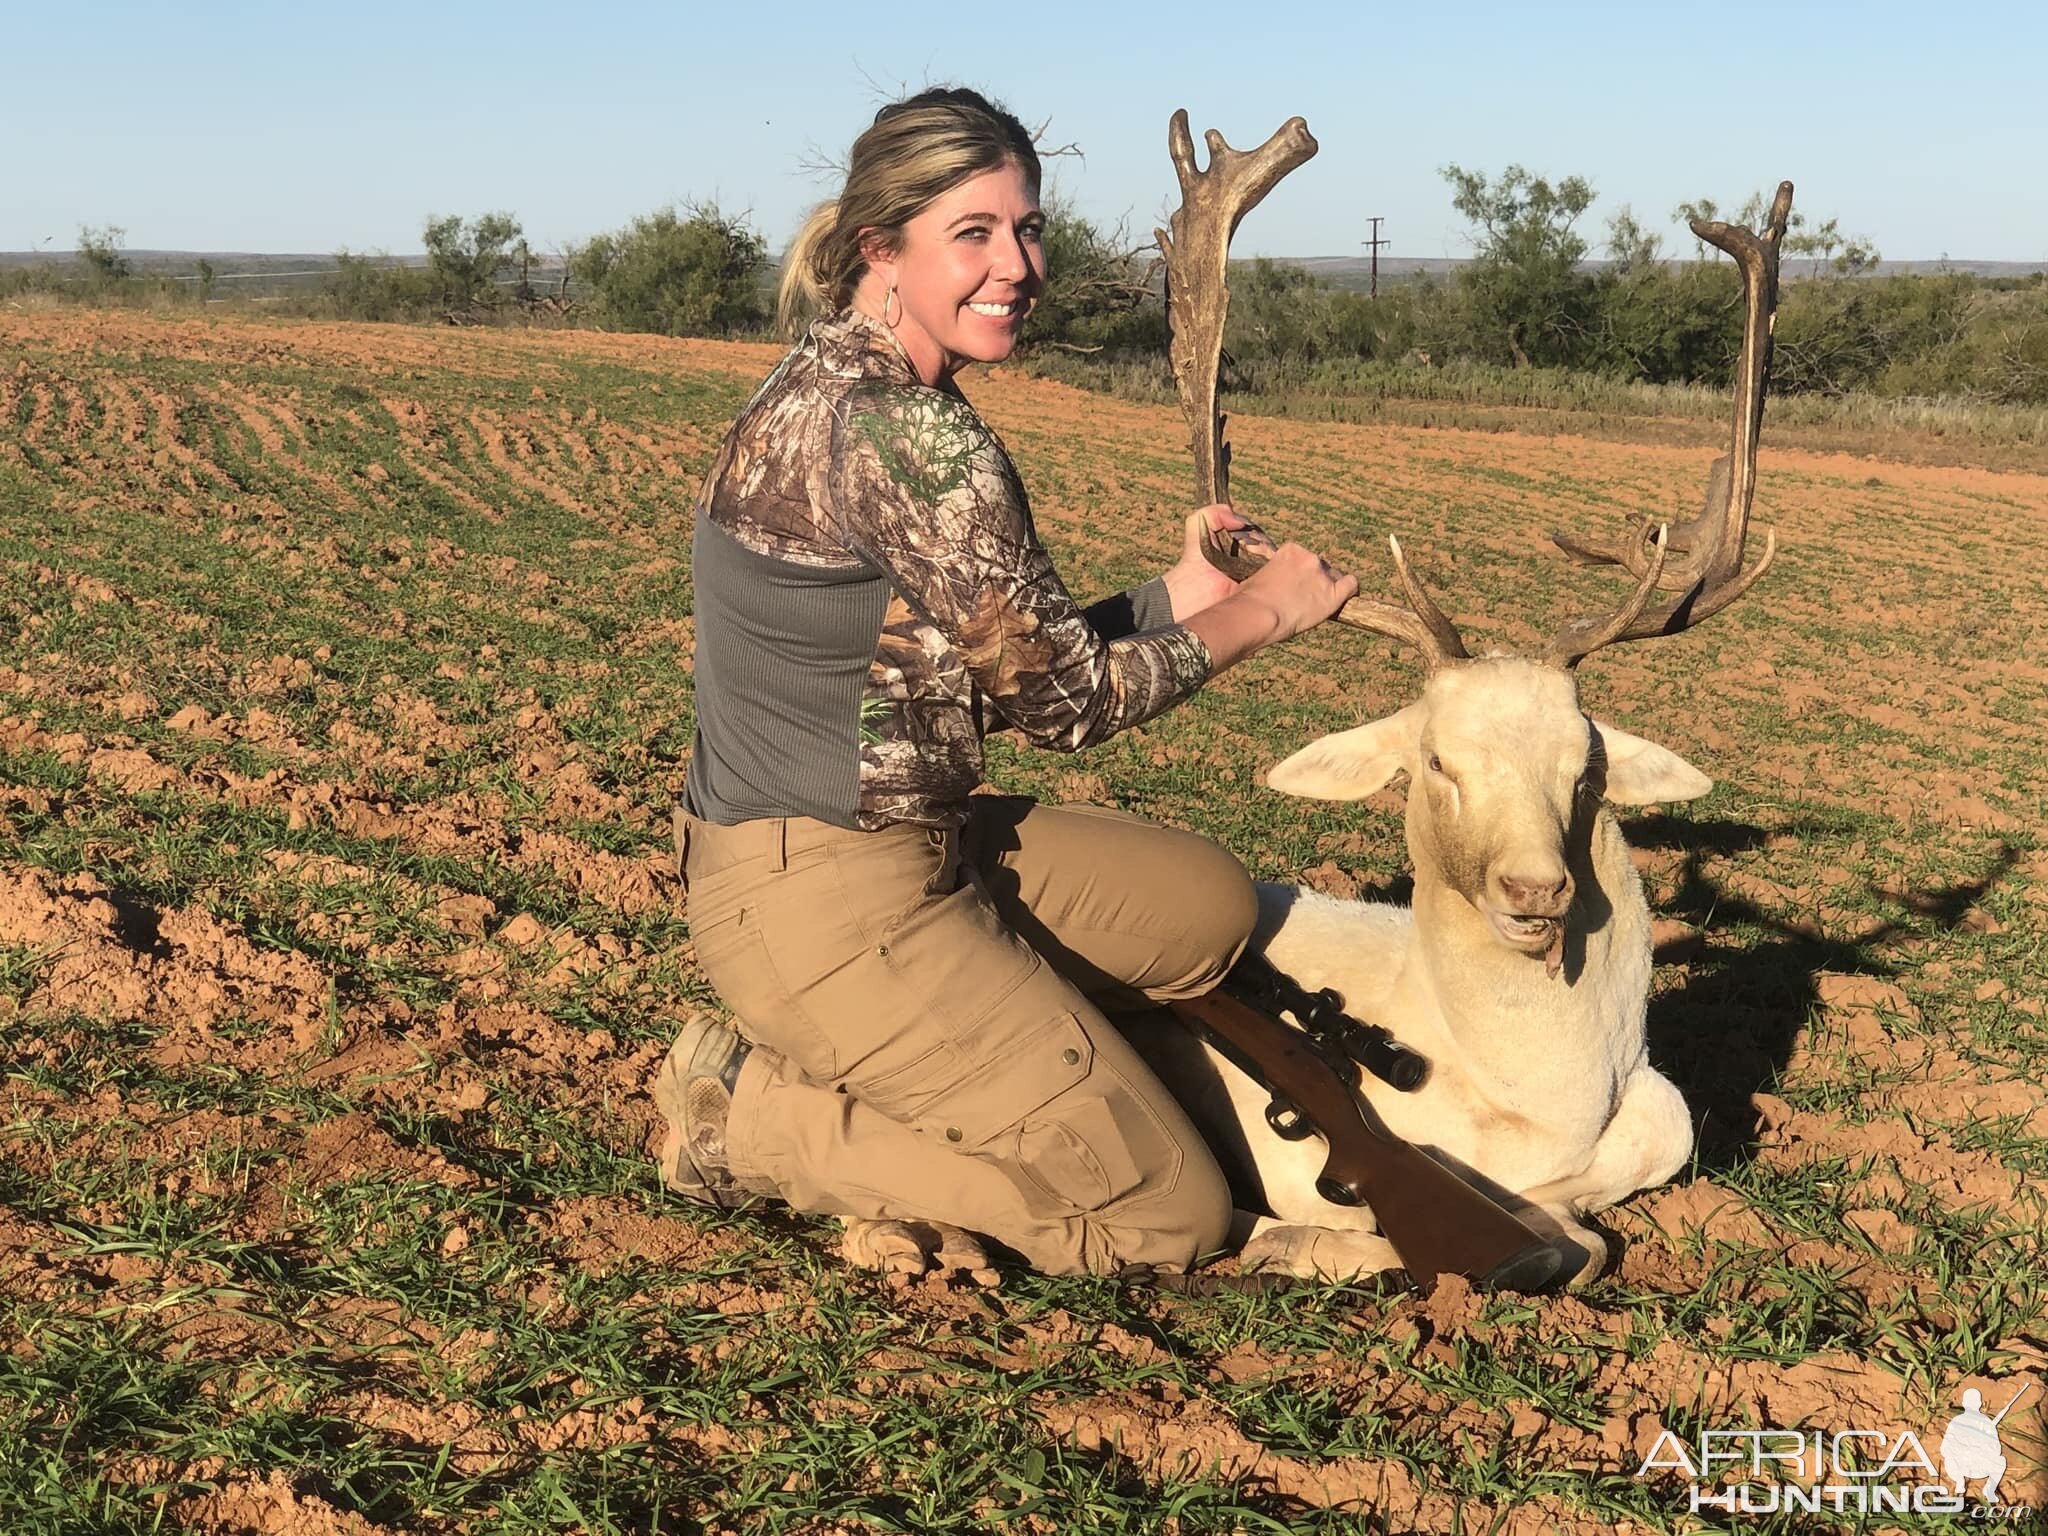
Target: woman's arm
<point>1176,595</point>
<point>926,493</point>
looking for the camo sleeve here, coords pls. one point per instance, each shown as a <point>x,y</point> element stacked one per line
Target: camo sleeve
<point>927,493</point>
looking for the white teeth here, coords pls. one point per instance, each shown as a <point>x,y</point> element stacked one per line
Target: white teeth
<point>994,311</point>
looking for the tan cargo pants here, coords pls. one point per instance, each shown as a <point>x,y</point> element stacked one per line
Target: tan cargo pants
<point>929,1004</point>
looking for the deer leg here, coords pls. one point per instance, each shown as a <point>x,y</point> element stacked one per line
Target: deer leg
<point>1646,1142</point>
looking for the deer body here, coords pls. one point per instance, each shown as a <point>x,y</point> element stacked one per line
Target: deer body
<point>1526,1070</point>
<point>1521,971</point>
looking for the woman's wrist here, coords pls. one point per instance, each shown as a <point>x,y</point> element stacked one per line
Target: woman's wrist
<point>1192,587</point>
<point>1238,626</point>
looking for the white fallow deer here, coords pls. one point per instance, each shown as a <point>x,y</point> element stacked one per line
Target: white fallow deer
<point>1522,969</point>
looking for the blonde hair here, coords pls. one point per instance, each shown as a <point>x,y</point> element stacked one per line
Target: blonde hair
<point>916,150</point>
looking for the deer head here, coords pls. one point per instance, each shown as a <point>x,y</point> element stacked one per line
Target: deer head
<point>1506,771</point>
<point>1506,775</point>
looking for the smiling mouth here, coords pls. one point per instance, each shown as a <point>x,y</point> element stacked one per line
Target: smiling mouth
<point>996,311</point>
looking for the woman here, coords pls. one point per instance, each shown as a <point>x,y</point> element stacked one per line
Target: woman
<point>919,975</point>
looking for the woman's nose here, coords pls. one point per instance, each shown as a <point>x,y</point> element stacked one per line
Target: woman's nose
<point>1013,261</point>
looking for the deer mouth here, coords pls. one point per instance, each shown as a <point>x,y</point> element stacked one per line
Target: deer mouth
<point>1532,934</point>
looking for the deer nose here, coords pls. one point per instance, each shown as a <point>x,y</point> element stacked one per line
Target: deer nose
<point>1544,896</point>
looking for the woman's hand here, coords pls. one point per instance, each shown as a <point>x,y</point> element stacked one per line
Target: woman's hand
<point>1195,584</point>
<point>1295,589</point>
<point>1299,587</point>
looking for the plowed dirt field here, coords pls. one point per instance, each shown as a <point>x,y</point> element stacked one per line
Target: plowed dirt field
<point>344,691</point>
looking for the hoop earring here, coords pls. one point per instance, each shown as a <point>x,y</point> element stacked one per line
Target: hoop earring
<point>887,298</point>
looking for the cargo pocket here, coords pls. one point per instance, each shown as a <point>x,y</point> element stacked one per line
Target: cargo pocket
<point>1085,1155</point>
<point>977,1106</point>
<point>733,954</point>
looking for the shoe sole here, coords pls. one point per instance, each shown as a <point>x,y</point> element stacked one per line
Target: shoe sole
<point>667,1093</point>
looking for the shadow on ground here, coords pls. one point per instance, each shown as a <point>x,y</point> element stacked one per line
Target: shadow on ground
<point>1728,1031</point>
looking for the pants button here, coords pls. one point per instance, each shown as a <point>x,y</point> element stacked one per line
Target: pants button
<point>1071,1057</point>
<point>952,1133</point>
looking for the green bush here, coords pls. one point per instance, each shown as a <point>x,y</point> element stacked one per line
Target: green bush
<point>1665,326</point>
<point>374,288</point>
<point>680,272</point>
<point>1100,294</point>
<point>100,250</point>
<point>44,277</point>
<point>466,259</point>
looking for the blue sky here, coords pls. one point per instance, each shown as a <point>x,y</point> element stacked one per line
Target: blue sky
<point>282,127</point>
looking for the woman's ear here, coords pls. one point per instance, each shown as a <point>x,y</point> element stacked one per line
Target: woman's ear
<point>879,255</point>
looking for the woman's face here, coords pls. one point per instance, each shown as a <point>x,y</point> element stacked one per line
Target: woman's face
<point>969,268</point>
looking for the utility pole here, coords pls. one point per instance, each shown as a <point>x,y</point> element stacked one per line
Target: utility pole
<point>1375,242</point>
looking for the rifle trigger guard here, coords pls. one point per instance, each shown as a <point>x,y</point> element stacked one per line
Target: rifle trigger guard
<point>1287,1121</point>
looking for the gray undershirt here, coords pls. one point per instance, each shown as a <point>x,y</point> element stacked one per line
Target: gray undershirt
<point>782,662</point>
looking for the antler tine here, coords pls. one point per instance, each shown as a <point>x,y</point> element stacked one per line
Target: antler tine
<point>1379,617</point>
<point>1448,644</point>
<point>1421,625</point>
<point>1578,640</point>
<point>1197,251</point>
<point>1710,575</point>
<point>1757,256</point>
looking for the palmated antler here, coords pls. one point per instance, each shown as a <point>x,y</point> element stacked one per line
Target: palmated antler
<point>1701,558</point>
<point>1197,251</point>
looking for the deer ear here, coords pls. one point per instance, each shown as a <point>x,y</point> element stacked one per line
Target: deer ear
<point>1352,764</point>
<point>1640,772</point>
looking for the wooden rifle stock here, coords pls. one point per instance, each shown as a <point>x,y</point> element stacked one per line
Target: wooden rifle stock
<point>1435,1221</point>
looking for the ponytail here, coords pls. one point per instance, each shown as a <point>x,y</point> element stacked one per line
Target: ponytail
<point>802,291</point>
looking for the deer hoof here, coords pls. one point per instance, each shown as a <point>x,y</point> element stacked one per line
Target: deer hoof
<point>1318,1253</point>
<point>1585,1256</point>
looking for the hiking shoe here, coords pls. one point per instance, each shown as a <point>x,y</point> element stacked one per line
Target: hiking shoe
<point>693,1090</point>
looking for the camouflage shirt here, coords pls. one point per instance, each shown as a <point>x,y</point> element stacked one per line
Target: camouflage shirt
<point>846,467</point>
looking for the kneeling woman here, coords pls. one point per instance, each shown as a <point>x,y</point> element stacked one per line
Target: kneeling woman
<point>918,972</point>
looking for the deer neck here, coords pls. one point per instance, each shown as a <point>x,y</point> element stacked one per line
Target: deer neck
<point>1503,1005</point>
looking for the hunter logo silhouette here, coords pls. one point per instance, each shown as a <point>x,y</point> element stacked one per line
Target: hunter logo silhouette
<point>1970,1446</point>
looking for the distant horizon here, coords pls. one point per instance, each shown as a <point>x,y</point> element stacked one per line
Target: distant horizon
<point>1794,265</point>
